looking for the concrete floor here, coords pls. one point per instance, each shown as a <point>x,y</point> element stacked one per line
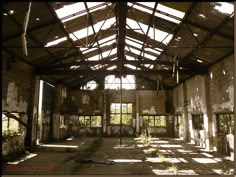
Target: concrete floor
<point>131,158</point>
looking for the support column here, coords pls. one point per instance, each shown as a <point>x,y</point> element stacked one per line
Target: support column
<point>185,116</point>
<point>234,69</point>
<point>104,125</point>
<point>31,135</point>
<point>137,112</point>
<point>209,118</point>
<point>56,113</point>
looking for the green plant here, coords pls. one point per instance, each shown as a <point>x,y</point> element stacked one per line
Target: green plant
<point>162,158</point>
<point>156,151</point>
<point>9,134</point>
<point>173,168</point>
<point>145,139</point>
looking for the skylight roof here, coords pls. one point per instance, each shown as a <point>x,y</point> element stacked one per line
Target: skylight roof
<point>108,43</point>
<point>135,25</point>
<point>109,22</point>
<point>112,67</point>
<point>142,8</point>
<point>152,50</point>
<point>109,52</point>
<point>112,82</point>
<point>130,66</point>
<point>89,50</point>
<point>159,35</point>
<point>69,12</point>
<point>151,57</point>
<point>130,58</point>
<point>133,43</point>
<point>55,42</point>
<point>71,9</point>
<point>148,4</point>
<point>106,39</point>
<point>149,66</point>
<point>169,11</point>
<point>132,39</point>
<point>83,32</point>
<point>224,7</point>
<point>137,52</point>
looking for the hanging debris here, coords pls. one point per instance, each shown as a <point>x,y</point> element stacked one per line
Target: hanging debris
<point>23,36</point>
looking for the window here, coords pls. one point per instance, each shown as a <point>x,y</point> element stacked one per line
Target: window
<point>126,113</point>
<point>154,121</point>
<point>197,121</point>
<point>90,121</point>
<point>113,82</point>
<point>179,119</point>
<point>10,123</point>
<point>62,121</point>
<point>225,123</point>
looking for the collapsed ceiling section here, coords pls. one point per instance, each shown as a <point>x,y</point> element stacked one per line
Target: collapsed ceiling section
<point>77,42</point>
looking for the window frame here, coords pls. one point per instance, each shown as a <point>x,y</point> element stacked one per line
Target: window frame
<point>197,121</point>
<point>128,113</point>
<point>230,122</point>
<point>89,118</point>
<point>155,117</point>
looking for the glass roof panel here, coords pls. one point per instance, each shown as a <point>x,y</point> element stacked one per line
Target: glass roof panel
<point>108,43</point>
<point>92,4</point>
<point>109,52</point>
<point>149,66</point>
<point>137,52</point>
<point>89,50</point>
<point>170,11</point>
<point>160,35</point>
<point>135,25</point>
<point>151,57</point>
<point>133,43</point>
<point>71,10</point>
<point>109,22</point>
<point>168,39</point>
<point>130,58</point>
<point>55,42</point>
<point>152,50</point>
<point>224,7</point>
<point>95,58</point>
<point>148,4</point>
<point>130,66</point>
<point>112,67</point>
<point>142,8</point>
<point>167,17</point>
<point>106,39</point>
<point>138,41</point>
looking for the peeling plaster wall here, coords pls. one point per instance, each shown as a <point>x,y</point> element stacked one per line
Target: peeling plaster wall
<point>221,92</point>
<point>222,95</point>
<point>17,80</point>
<point>149,100</point>
<point>18,85</point>
<point>221,86</point>
<point>178,99</point>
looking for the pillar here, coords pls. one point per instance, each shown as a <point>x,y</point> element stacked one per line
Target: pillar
<point>56,112</point>
<point>208,121</point>
<point>137,112</point>
<point>31,134</point>
<point>185,115</point>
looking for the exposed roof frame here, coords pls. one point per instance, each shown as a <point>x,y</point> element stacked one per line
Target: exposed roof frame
<point>204,42</point>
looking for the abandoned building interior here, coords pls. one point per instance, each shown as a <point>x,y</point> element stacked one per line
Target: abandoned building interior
<point>118,88</point>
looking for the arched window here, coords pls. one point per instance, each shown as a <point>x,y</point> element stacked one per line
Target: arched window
<point>113,82</point>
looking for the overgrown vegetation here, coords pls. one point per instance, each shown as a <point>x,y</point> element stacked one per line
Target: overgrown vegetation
<point>12,145</point>
<point>173,169</point>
